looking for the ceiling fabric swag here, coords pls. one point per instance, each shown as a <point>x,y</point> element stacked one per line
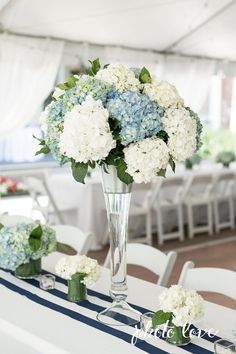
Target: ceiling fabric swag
<point>3,3</point>
<point>28,69</point>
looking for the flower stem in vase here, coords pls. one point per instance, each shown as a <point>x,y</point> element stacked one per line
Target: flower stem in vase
<point>29,270</point>
<point>77,290</point>
<point>177,335</point>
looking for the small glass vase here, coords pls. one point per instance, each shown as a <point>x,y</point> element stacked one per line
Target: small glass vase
<point>177,335</point>
<point>29,270</point>
<point>117,198</point>
<point>77,290</point>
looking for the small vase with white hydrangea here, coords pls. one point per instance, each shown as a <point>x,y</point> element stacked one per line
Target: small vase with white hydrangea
<point>22,247</point>
<point>80,272</point>
<point>179,308</point>
<point>132,127</point>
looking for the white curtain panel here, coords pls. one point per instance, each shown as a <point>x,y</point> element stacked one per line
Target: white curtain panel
<point>191,76</point>
<point>3,3</point>
<point>28,68</point>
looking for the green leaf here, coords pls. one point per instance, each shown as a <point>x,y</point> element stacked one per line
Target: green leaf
<point>121,167</point>
<point>35,238</point>
<point>160,317</point>
<point>71,81</point>
<point>89,72</point>
<point>44,150</point>
<point>66,249</point>
<point>63,86</point>
<point>37,232</point>
<point>95,65</point>
<point>144,76</point>
<point>34,244</point>
<point>162,172</point>
<point>1,226</point>
<point>79,170</point>
<point>172,164</point>
<point>163,135</point>
<point>92,164</point>
<point>105,66</point>
<point>41,141</point>
<point>79,276</point>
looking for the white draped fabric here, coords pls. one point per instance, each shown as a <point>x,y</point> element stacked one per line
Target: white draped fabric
<point>192,76</point>
<point>28,68</point>
<point>21,147</point>
<point>3,3</point>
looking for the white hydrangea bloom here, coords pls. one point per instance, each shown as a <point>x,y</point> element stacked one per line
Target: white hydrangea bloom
<point>86,135</point>
<point>185,305</point>
<point>165,94</point>
<point>182,130</point>
<point>145,158</point>
<point>68,266</point>
<point>58,93</point>
<point>120,77</point>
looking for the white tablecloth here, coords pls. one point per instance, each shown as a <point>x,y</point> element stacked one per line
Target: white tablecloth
<point>29,325</point>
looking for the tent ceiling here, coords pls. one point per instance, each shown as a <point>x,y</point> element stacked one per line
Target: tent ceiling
<point>195,27</point>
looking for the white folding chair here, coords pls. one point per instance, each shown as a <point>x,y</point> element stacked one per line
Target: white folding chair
<point>71,236</point>
<point>150,258</point>
<point>217,280</point>
<point>198,193</point>
<point>170,199</point>
<point>43,200</point>
<point>141,205</point>
<point>223,193</point>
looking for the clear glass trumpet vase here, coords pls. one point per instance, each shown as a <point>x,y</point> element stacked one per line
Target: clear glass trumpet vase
<point>117,198</point>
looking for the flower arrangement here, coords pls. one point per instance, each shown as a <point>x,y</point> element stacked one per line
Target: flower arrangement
<point>179,308</point>
<point>22,243</point>
<point>79,271</point>
<point>10,186</point>
<point>121,117</point>
<point>225,157</point>
<point>68,266</point>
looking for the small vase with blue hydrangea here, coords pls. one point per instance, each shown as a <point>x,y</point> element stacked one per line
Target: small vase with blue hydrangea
<point>23,246</point>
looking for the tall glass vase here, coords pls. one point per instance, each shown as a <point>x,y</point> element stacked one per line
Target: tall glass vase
<point>117,198</point>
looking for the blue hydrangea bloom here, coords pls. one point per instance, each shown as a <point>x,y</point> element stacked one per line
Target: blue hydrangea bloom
<point>139,117</point>
<point>86,85</point>
<point>15,248</point>
<point>199,128</point>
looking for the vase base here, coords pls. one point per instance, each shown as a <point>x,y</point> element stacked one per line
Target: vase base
<point>36,276</point>
<point>120,313</point>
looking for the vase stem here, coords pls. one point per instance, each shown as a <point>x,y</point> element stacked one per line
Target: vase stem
<point>117,199</point>
<point>117,213</point>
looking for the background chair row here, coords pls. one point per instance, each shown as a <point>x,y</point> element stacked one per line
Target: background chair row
<point>202,201</point>
<point>215,280</point>
<point>201,279</point>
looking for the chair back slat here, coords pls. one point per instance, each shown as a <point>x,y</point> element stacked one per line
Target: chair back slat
<point>217,280</point>
<point>150,258</point>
